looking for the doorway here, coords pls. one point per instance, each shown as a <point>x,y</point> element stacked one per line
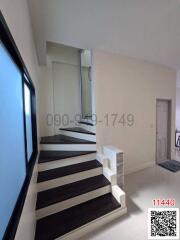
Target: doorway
<point>163,130</point>
<point>66,94</point>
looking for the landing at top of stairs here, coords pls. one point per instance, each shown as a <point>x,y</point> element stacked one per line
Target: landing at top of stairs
<point>62,139</point>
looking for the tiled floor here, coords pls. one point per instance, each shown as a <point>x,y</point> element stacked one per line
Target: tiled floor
<point>141,188</point>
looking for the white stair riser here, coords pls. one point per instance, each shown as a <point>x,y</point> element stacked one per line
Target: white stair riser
<point>83,136</point>
<point>54,208</point>
<point>68,147</point>
<point>69,179</point>
<point>91,226</point>
<point>88,127</point>
<point>66,162</point>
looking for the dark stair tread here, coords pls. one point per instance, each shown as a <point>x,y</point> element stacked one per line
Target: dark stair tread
<point>62,193</point>
<point>60,223</point>
<point>62,139</point>
<point>87,123</point>
<point>46,156</point>
<point>78,130</point>
<point>65,171</point>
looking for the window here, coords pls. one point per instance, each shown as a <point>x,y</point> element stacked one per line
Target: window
<point>12,160</point>
<point>18,145</point>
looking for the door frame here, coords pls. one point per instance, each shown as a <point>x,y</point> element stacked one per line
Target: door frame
<point>169,101</point>
<point>92,87</point>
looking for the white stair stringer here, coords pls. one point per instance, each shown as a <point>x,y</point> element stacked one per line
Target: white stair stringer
<point>83,136</point>
<point>60,206</point>
<point>111,175</point>
<point>42,186</point>
<point>65,162</point>
<point>117,192</point>
<point>119,195</point>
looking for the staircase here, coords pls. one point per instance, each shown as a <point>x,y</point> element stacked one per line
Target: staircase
<point>74,196</point>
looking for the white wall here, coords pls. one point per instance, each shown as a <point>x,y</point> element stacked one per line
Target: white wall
<point>127,85</point>
<point>178,108</point>
<point>16,14</point>
<point>68,56</point>
<point>178,101</point>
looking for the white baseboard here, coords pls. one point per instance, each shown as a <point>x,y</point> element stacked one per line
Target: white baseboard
<point>136,168</point>
<point>54,208</point>
<point>69,179</point>
<point>66,162</point>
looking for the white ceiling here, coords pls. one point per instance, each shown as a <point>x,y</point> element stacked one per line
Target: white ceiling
<point>145,29</point>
